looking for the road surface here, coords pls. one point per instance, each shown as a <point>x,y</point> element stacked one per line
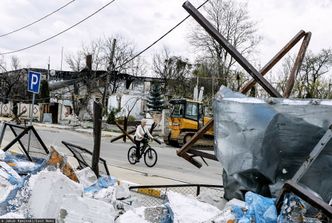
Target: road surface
<point>170,169</point>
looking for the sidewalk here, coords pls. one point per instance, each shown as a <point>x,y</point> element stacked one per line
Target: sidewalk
<point>68,127</point>
<point>80,129</point>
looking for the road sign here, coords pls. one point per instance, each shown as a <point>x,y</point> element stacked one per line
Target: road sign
<point>34,82</point>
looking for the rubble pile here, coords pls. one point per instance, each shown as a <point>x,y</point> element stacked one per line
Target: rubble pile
<point>263,143</point>
<point>80,196</point>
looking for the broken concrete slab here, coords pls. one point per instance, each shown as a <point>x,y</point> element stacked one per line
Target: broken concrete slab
<point>48,189</point>
<point>82,209</point>
<point>86,177</point>
<point>189,209</point>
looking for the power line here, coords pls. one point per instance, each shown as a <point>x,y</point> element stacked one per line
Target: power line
<point>142,51</point>
<point>38,20</point>
<point>160,38</point>
<point>58,34</point>
<point>148,47</point>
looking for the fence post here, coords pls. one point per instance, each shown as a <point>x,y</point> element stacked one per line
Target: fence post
<point>198,190</point>
<point>97,118</point>
<point>2,133</point>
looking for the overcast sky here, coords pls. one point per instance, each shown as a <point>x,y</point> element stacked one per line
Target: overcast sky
<point>143,21</point>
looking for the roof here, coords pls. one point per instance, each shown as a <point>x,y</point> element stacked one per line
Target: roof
<point>183,100</point>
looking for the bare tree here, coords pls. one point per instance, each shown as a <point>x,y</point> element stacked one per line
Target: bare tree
<point>281,79</point>
<point>76,62</point>
<point>312,81</point>
<point>232,20</point>
<point>175,72</point>
<point>116,66</point>
<point>2,64</point>
<point>121,60</point>
<point>15,63</point>
<point>312,71</point>
<point>11,82</point>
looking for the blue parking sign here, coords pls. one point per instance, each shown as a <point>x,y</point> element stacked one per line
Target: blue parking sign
<point>34,82</point>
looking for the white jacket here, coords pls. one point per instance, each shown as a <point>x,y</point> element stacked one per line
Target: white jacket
<point>140,131</point>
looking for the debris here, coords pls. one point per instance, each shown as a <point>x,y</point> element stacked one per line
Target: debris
<point>22,165</point>
<point>82,209</point>
<point>214,198</point>
<point>134,215</point>
<point>48,189</point>
<point>103,182</point>
<point>260,209</point>
<point>122,192</point>
<point>12,215</point>
<point>10,182</point>
<point>261,143</point>
<point>188,209</point>
<point>86,177</point>
<point>59,161</point>
<point>293,209</point>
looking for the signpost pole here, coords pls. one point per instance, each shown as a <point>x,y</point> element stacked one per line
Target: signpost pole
<point>32,108</point>
<point>31,117</point>
<point>33,87</point>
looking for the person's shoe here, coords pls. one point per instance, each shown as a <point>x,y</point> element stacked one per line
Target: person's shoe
<point>137,160</point>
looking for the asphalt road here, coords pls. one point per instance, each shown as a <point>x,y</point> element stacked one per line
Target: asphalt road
<point>170,169</point>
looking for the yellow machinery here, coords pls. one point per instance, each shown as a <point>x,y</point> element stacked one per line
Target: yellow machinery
<point>186,117</point>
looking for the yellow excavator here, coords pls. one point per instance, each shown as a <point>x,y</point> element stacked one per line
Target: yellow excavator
<point>186,117</point>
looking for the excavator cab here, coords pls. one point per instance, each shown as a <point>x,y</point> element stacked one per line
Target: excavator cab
<point>186,117</point>
<point>186,108</point>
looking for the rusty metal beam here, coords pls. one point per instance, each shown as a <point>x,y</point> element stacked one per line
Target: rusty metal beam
<point>275,59</point>
<point>124,132</point>
<point>297,65</point>
<point>306,195</point>
<point>191,160</point>
<point>184,149</point>
<point>230,49</point>
<point>202,154</point>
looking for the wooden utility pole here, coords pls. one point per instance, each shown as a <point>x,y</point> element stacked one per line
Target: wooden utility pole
<point>97,118</point>
<point>109,71</point>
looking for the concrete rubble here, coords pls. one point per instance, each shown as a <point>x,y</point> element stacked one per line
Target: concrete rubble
<point>86,198</point>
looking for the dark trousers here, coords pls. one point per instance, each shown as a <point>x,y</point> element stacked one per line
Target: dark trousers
<point>138,143</point>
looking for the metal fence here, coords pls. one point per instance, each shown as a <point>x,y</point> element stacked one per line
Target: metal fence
<point>84,158</point>
<point>27,138</point>
<point>154,195</point>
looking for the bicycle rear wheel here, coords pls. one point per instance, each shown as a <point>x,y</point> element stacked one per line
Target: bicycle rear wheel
<point>150,157</point>
<point>132,155</point>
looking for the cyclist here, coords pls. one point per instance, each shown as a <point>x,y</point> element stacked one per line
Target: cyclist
<point>142,132</point>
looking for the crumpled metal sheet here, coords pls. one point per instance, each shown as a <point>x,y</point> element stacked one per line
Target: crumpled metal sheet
<point>262,143</point>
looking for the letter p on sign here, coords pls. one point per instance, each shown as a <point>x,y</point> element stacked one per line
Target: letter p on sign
<point>34,82</point>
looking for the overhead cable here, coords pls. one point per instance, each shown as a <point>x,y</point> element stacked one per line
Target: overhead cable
<point>38,20</point>
<point>58,34</point>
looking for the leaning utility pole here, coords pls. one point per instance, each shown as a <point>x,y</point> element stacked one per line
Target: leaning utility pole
<point>109,71</point>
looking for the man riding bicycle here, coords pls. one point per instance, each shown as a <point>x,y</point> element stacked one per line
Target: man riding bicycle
<point>141,133</point>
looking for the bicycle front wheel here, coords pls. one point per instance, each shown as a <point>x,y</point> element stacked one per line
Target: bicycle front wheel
<point>132,155</point>
<point>150,157</point>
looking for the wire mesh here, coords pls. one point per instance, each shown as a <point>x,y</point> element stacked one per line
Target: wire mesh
<point>150,196</point>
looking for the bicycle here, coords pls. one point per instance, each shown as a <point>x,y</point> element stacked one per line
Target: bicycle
<point>150,155</point>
